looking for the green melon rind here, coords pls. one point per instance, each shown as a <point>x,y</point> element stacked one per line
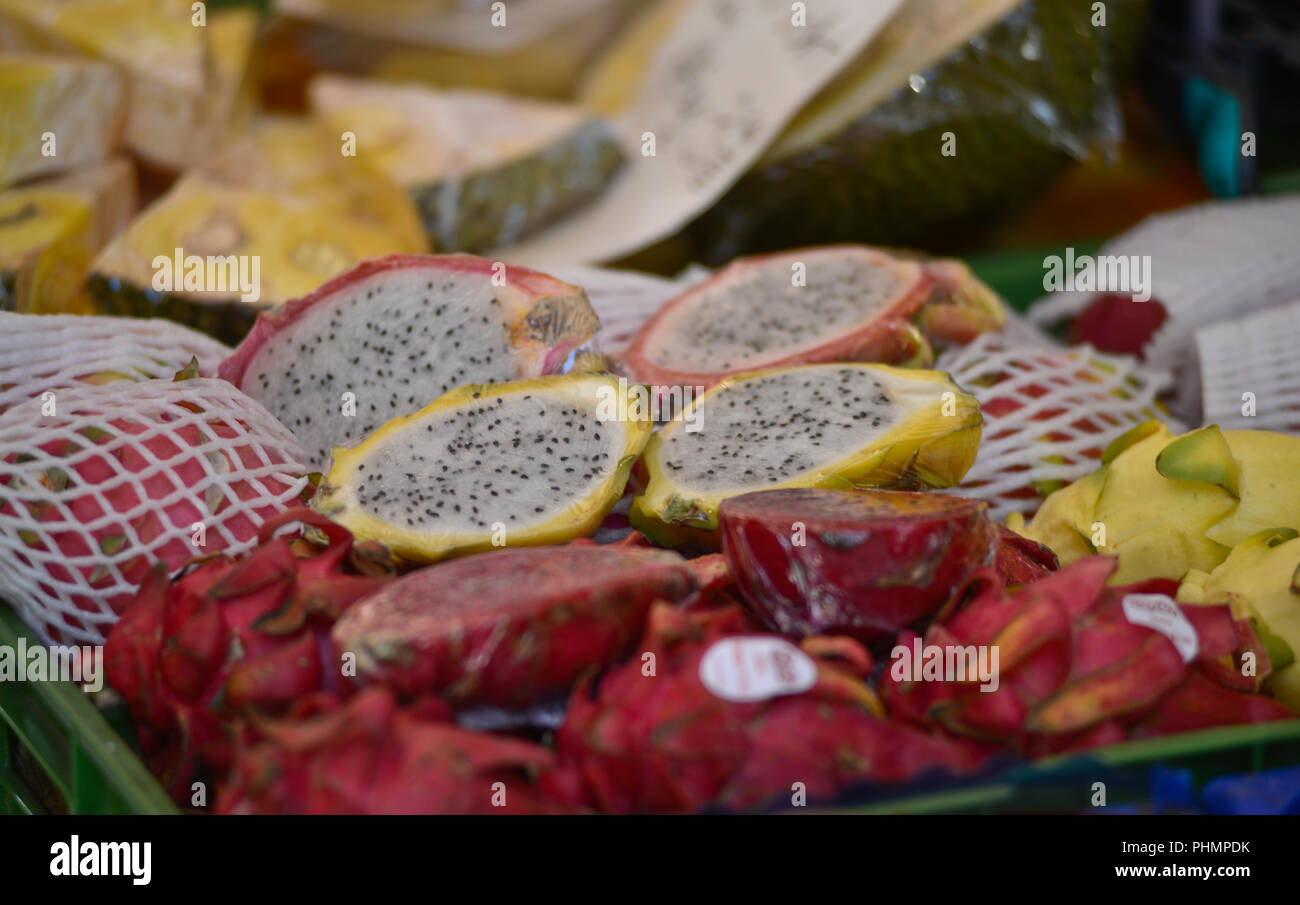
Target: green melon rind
<point>227,320</point>
<point>8,290</point>
<point>495,208</point>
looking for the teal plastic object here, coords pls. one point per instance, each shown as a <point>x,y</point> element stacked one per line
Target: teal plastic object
<point>1214,117</point>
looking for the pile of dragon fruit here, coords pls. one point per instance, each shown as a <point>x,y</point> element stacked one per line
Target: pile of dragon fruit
<point>420,545</point>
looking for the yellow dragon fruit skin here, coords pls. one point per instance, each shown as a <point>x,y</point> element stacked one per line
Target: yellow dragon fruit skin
<point>1166,505</point>
<point>1262,573</point>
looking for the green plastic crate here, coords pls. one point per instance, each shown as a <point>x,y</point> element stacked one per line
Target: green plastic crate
<point>59,753</point>
<point>1064,784</point>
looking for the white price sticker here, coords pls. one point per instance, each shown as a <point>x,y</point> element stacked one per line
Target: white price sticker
<point>755,668</point>
<point>1160,612</point>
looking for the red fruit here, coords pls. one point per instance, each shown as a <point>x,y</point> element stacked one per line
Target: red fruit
<point>192,656</point>
<point>858,304</point>
<point>1201,703</point>
<point>368,756</point>
<point>664,741</point>
<point>1118,323</point>
<point>511,626</point>
<point>864,563</point>
<point>1130,685</point>
<point>1073,671</point>
<point>1021,560</point>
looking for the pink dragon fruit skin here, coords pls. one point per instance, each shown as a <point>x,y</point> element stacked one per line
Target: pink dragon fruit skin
<point>1074,672</point>
<point>190,656</point>
<point>666,743</point>
<point>512,626</point>
<point>367,755</point>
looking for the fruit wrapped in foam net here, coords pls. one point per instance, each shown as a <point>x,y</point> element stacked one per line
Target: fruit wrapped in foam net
<point>99,482</point>
<point>1207,262</point>
<point>45,352</point>
<point>1049,413</point>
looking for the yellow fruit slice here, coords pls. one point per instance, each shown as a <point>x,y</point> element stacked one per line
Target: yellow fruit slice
<point>59,113</point>
<point>529,462</point>
<point>832,425</point>
<point>50,230</point>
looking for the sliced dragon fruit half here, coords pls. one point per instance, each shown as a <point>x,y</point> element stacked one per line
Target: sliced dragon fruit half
<point>507,628</point>
<point>838,303</point>
<point>861,563</point>
<point>836,426</point>
<point>396,333</point>
<point>529,462</point>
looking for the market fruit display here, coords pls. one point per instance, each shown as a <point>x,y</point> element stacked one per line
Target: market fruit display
<point>864,563</point>
<point>1261,575</point>
<point>50,231</point>
<point>45,354</point>
<point>510,627</point>
<point>102,482</point>
<point>398,332</point>
<point>1076,670</point>
<point>485,170</point>
<point>279,196</point>
<point>814,305</point>
<point>513,464</point>
<point>193,654</point>
<point>835,426</point>
<point>1166,504</point>
<point>369,755</point>
<point>672,741</point>
<point>59,113</point>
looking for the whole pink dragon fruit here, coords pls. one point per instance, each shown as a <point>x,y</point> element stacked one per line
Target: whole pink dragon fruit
<point>509,627</point>
<point>712,714</point>
<point>191,656</point>
<point>102,482</point>
<point>1074,671</point>
<point>368,756</point>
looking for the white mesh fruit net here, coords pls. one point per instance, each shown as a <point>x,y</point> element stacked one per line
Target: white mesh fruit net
<point>1208,262</point>
<point>1049,412</point>
<point>1250,373</point>
<point>49,351</point>
<point>99,482</point>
